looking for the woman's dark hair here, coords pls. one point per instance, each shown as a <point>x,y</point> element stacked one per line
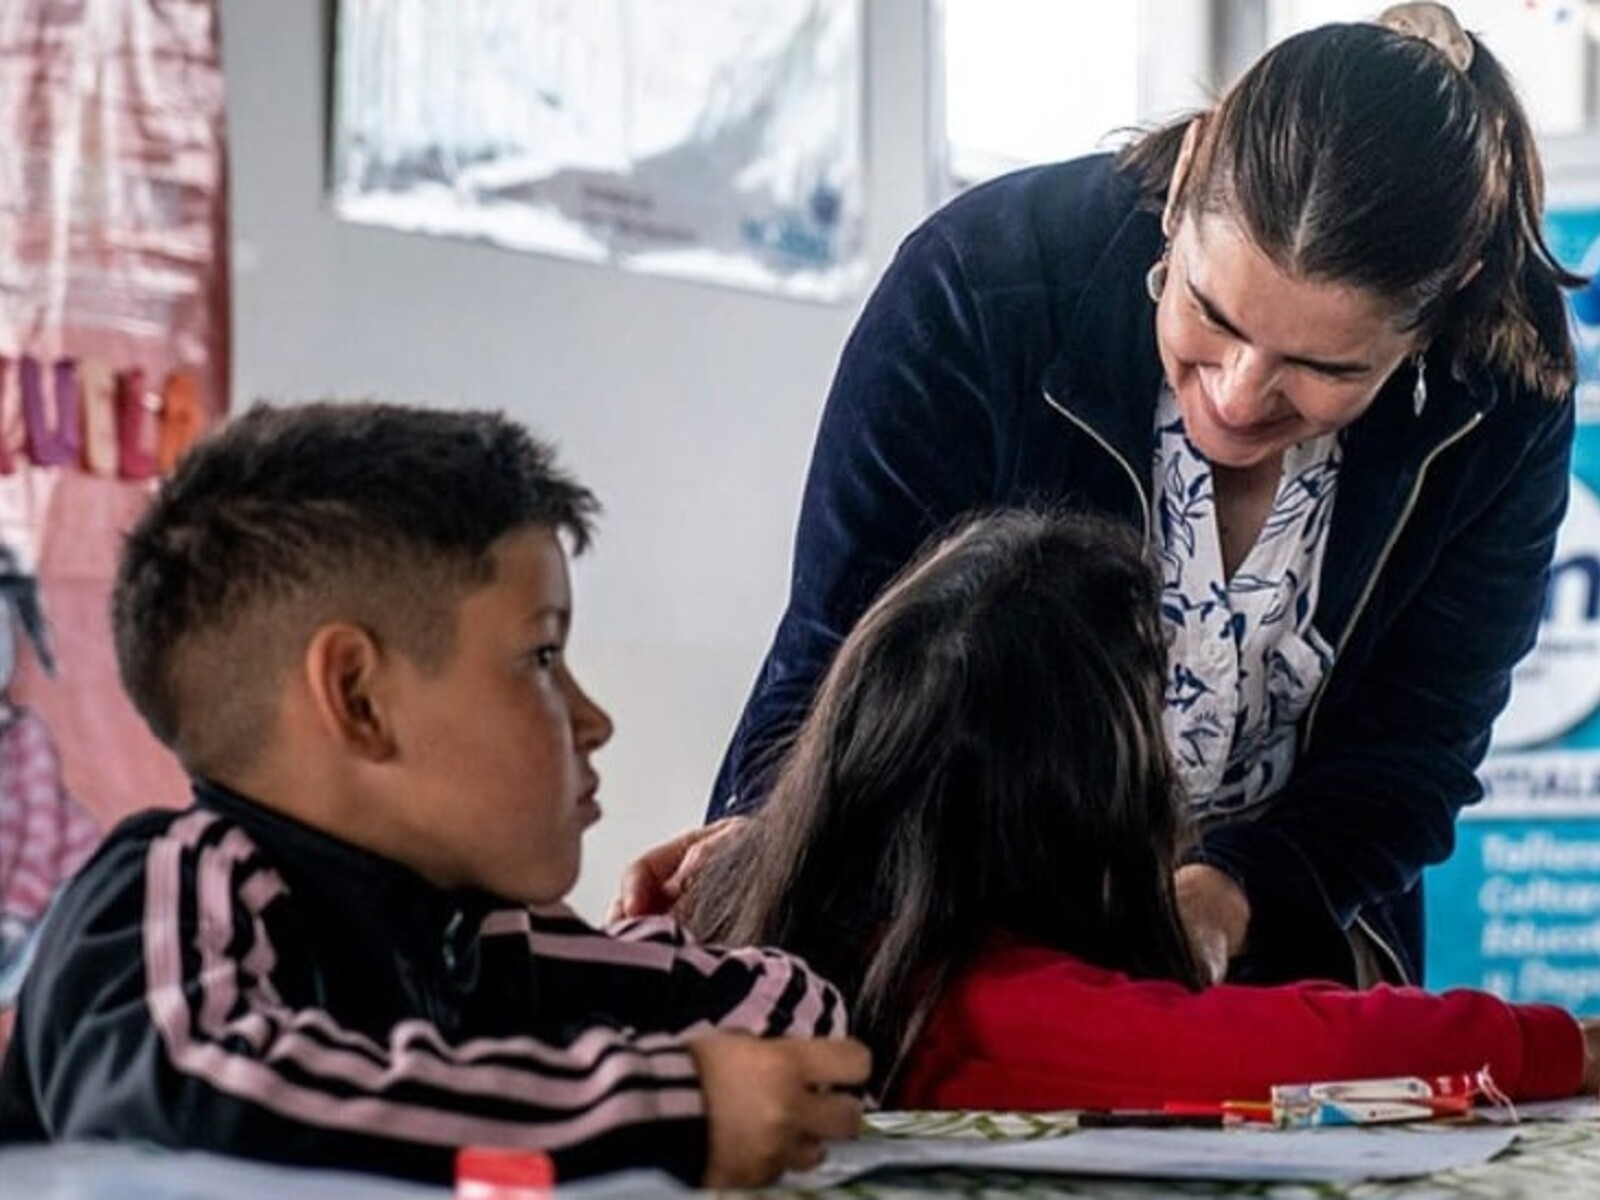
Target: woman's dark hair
<point>1363,156</point>
<point>984,756</point>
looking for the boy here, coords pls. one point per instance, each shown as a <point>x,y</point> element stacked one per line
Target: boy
<point>349,622</point>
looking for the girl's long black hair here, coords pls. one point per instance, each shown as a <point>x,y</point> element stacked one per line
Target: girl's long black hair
<point>985,756</point>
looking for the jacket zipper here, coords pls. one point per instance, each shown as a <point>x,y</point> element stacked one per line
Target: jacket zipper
<point>1133,478</point>
<point>1383,558</point>
<point>1349,629</point>
<point>1400,974</point>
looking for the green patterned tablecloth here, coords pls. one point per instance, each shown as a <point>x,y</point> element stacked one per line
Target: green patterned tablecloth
<point>1556,1154</point>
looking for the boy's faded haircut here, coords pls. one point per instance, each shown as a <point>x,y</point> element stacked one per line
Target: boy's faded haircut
<point>289,517</point>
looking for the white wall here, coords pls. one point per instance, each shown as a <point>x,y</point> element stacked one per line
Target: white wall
<point>689,409</point>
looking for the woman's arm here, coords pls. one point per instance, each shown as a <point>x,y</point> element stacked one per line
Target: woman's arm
<point>907,443</point>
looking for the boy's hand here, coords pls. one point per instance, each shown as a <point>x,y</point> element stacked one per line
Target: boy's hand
<point>654,882</point>
<point>770,1103</point>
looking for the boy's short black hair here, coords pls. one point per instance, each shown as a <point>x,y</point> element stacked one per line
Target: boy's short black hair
<point>292,516</point>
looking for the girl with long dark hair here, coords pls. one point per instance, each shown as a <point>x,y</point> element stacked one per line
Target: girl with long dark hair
<point>974,833</point>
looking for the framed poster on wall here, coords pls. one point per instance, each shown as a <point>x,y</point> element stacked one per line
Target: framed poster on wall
<point>717,140</point>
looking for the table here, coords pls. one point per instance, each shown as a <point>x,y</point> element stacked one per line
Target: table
<point>1556,1155</point>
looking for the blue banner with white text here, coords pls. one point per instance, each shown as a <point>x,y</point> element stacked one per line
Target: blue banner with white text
<point>1516,910</point>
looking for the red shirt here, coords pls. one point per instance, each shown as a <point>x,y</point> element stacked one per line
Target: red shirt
<point>1030,1028</point>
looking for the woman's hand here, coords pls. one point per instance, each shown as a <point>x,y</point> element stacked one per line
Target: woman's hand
<point>1591,1054</point>
<point>654,881</point>
<point>1216,916</point>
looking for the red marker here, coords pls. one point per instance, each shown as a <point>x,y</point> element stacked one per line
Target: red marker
<point>1230,1110</point>
<point>501,1173</point>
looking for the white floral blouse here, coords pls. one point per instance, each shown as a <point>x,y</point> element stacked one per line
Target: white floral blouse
<point>1243,659</point>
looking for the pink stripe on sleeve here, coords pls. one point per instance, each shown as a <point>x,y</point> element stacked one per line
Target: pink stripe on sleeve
<point>415,1054</point>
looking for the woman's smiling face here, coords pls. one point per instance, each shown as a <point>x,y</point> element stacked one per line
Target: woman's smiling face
<point>1258,359</point>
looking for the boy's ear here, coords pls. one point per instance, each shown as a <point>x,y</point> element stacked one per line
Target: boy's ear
<point>343,665</point>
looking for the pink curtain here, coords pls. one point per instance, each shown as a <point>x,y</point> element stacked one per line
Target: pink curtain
<point>113,257</point>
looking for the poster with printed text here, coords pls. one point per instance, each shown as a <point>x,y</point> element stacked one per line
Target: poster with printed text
<point>715,140</point>
<point>1516,909</point>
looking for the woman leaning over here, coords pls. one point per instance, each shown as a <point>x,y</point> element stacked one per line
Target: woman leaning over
<point>1310,342</point>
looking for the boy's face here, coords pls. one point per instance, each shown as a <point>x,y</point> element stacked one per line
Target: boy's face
<point>496,788</point>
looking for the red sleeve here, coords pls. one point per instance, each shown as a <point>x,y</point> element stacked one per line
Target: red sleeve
<point>1035,1029</point>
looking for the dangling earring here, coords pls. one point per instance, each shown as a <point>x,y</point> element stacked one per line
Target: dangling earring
<point>1155,279</point>
<point>1419,393</point>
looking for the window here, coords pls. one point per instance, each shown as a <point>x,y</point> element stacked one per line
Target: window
<point>1025,81</point>
<point>1550,47</point>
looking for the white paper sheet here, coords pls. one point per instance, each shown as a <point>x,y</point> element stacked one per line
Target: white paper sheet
<point>1310,1156</point>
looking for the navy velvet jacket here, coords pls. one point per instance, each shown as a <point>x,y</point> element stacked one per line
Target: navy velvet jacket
<point>1008,356</point>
